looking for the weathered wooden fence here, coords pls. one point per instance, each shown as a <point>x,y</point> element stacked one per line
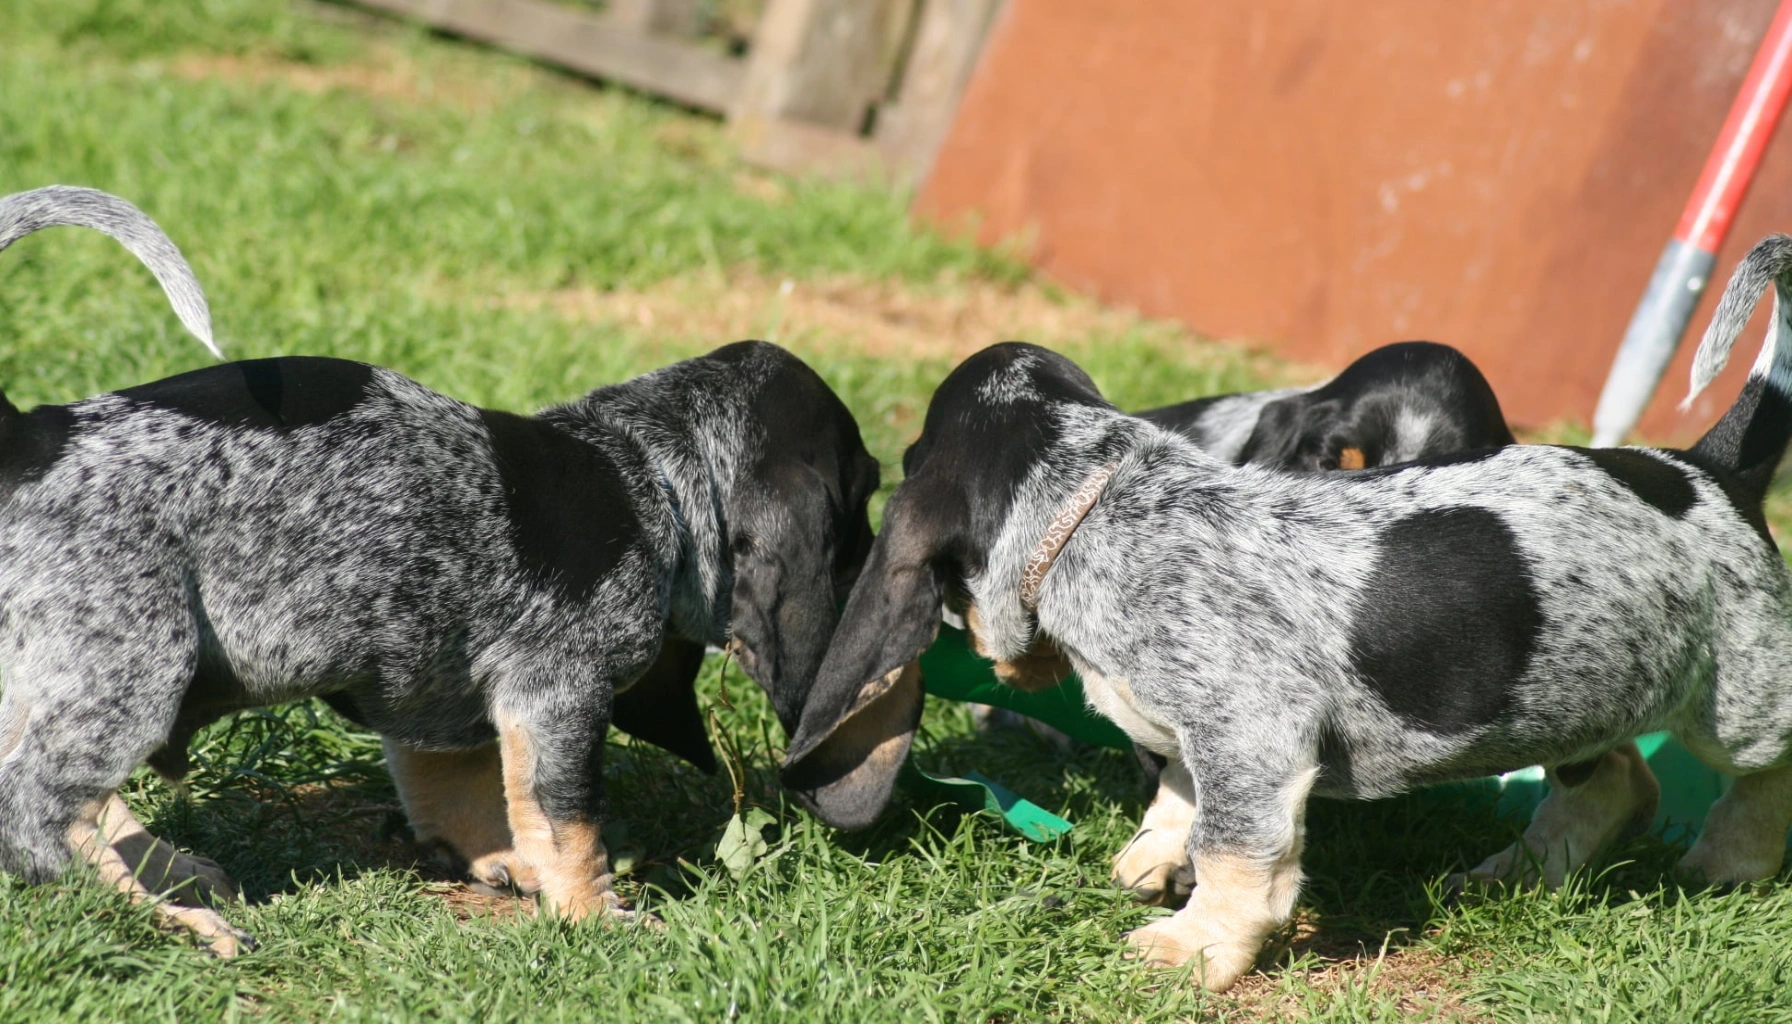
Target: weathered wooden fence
<point>843,87</point>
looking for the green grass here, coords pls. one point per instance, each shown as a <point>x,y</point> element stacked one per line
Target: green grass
<point>382,225</point>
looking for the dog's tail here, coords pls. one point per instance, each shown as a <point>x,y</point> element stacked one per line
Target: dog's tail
<point>1750,439</point>
<point>66,205</point>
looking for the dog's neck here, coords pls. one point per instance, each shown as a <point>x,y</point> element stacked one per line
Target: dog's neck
<point>696,490</point>
<point>692,463</point>
<point>1049,504</point>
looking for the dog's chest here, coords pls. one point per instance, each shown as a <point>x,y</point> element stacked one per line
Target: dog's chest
<point>1113,698</point>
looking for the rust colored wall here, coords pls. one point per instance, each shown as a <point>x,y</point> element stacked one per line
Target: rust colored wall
<point>1330,176</point>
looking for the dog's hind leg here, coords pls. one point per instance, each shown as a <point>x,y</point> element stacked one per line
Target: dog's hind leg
<point>182,877</point>
<point>1744,838</point>
<point>1590,804</point>
<point>455,798</point>
<point>1245,846</point>
<point>1155,863</point>
<point>93,703</point>
<point>89,837</point>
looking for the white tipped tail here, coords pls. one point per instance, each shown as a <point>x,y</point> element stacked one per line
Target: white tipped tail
<point>71,206</point>
<point>1769,262</point>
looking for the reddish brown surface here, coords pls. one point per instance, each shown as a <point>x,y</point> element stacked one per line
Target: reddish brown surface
<point>1326,177</point>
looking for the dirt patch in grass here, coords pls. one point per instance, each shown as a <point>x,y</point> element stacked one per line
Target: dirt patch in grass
<point>1420,981</point>
<point>882,319</point>
<point>385,72</point>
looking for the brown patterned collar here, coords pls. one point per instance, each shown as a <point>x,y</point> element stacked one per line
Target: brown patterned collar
<point>1058,533</point>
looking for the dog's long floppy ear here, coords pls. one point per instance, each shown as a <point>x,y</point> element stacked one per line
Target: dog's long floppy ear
<point>862,712</point>
<point>1276,439</point>
<point>661,707</point>
<point>795,546</point>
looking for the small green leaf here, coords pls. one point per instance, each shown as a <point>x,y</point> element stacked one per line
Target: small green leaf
<point>741,843</point>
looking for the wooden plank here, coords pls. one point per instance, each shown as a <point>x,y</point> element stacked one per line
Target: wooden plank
<point>671,17</point>
<point>947,43</point>
<point>587,43</point>
<point>799,147</point>
<point>826,62</point>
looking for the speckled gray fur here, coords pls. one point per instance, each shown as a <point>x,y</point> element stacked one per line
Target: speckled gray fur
<point>1224,596</point>
<point>1227,616</point>
<point>159,568</point>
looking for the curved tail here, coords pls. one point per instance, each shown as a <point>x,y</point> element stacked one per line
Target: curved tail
<point>1751,438</point>
<point>66,205</point>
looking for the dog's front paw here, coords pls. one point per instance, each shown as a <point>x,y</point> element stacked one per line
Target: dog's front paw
<point>196,880</point>
<point>504,873</point>
<point>1220,959</point>
<point>600,904</point>
<point>1517,866</point>
<point>1730,863</point>
<point>1155,866</point>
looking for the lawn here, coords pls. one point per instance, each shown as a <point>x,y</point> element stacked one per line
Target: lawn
<point>352,187</point>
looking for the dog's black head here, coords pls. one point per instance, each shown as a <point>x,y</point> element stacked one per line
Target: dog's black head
<point>798,531</point>
<point>773,481</point>
<point>1412,400</point>
<point>987,425</point>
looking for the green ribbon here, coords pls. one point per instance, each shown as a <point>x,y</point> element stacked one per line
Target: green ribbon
<point>950,669</point>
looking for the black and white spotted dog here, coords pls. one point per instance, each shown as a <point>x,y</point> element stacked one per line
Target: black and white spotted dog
<point>489,592</point>
<point>1281,635</point>
<point>1410,400</point>
<point>1400,402</point>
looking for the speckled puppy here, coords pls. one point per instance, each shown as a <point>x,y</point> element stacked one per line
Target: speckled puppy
<point>1400,402</point>
<point>1280,635</point>
<point>489,592</point>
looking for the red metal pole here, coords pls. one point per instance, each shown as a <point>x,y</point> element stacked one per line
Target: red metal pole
<point>1685,267</point>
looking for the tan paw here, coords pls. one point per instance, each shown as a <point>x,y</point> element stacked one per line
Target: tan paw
<point>1155,866</point>
<point>1517,865</point>
<point>602,905</point>
<point>218,936</point>
<point>1732,863</point>
<point>199,881</point>
<point>1175,941</point>
<point>505,873</point>
<point>184,878</point>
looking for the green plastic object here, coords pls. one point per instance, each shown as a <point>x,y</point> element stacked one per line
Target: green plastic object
<point>952,670</point>
<point>975,792</point>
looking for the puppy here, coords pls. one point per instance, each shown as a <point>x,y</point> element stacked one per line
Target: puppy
<point>1279,635</point>
<point>489,592</point>
<point>1406,401</point>
<point>1401,402</point>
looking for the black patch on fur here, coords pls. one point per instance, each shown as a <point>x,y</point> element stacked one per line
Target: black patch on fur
<point>1183,418</point>
<point>1445,625</point>
<point>1740,493</point>
<point>1579,772</point>
<point>343,703</point>
<point>30,443</point>
<point>1151,766</point>
<point>1660,484</point>
<point>570,514</point>
<point>267,394</point>
<point>661,707</point>
<point>1748,443</point>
